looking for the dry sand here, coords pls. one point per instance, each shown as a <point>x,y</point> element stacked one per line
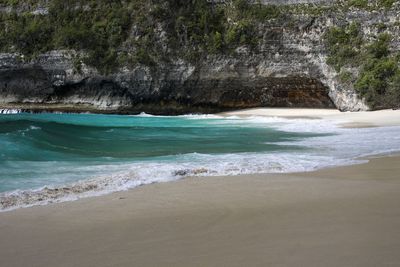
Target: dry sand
<point>347,216</point>
<point>347,119</point>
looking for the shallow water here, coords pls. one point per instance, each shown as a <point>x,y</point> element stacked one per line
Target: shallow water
<point>112,152</point>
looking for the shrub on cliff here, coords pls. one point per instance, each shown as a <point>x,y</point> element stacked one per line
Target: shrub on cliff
<point>380,74</point>
<point>344,44</point>
<point>386,3</point>
<point>97,28</point>
<point>358,3</point>
<point>113,33</point>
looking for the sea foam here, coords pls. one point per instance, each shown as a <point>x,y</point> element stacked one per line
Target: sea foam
<point>10,111</point>
<point>335,147</point>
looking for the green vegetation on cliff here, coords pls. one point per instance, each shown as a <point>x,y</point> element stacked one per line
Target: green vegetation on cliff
<point>96,28</point>
<point>379,80</point>
<point>344,45</point>
<point>110,34</point>
<point>378,77</point>
<point>115,33</point>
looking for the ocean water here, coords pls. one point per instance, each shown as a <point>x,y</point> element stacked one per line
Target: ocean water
<point>56,157</point>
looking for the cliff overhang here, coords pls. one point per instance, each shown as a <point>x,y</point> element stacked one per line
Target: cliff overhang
<point>173,58</point>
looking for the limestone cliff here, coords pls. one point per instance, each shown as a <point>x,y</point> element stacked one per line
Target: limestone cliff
<point>287,67</point>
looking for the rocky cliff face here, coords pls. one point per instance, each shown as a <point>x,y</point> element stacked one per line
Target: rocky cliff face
<point>214,85</point>
<point>288,69</point>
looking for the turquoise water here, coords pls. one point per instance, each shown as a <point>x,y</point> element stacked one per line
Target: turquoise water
<point>58,157</point>
<point>50,149</point>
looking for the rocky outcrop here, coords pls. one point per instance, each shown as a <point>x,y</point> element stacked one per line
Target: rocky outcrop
<point>288,69</point>
<point>215,85</point>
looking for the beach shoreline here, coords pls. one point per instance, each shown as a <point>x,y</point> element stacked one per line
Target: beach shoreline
<point>308,120</point>
<point>49,194</point>
<point>379,118</point>
<point>337,216</point>
<point>343,216</point>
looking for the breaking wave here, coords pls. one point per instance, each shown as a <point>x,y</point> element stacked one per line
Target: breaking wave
<point>49,158</point>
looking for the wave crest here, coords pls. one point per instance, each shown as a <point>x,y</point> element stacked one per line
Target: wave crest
<point>10,111</point>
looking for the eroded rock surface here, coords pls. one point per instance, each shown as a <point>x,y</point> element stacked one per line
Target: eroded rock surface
<point>288,69</point>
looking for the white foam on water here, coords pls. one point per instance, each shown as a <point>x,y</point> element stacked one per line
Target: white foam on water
<point>200,116</point>
<point>30,128</point>
<point>295,125</point>
<point>284,124</point>
<point>144,114</point>
<point>189,116</point>
<point>137,174</point>
<point>354,143</point>
<point>10,111</point>
<point>337,147</point>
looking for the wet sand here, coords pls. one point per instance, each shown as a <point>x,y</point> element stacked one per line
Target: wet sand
<point>345,216</point>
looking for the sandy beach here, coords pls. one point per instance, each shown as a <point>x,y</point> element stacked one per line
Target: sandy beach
<point>342,216</point>
<point>346,119</point>
<point>346,216</point>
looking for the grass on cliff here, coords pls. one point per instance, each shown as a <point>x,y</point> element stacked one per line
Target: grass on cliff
<point>111,34</point>
<point>344,45</point>
<point>96,28</point>
<point>378,80</point>
<point>116,33</point>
